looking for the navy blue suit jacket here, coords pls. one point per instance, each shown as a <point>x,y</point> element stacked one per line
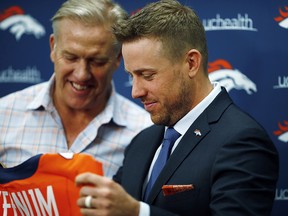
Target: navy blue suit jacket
<point>233,166</point>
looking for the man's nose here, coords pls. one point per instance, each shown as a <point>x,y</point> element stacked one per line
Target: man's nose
<point>82,71</point>
<point>137,89</point>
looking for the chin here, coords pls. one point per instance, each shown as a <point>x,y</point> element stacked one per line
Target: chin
<point>160,119</point>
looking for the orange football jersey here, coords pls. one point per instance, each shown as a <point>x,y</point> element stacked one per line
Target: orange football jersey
<point>44,185</point>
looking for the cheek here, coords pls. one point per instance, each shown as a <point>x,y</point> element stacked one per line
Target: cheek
<point>60,70</point>
<point>59,74</point>
<point>174,91</point>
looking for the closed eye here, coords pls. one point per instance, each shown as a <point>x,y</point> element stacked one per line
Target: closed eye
<point>70,58</point>
<point>148,76</point>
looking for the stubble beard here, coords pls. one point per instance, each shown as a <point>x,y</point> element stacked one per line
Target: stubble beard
<point>173,112</point>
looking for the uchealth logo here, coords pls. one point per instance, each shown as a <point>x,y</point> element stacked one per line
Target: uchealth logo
<point>19,23</point>
<point>240,22</point>
<point>222,71</point>
<point>30,74</point>
<point>282,132</point>
<point>282,82</point>
<point>281,194</point>
<point>283,18</point>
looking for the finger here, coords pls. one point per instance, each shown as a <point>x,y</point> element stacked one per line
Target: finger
<point>92,212</point>
<point>88,190</point>
<point>87,179</point>
<point>91,179</point>
<point>81,202</point>
<point>86,202</point>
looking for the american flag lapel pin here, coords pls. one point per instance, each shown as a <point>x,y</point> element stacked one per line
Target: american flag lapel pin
<point>197,132</point>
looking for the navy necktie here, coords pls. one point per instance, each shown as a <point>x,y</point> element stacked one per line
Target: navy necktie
<point>171,135</point>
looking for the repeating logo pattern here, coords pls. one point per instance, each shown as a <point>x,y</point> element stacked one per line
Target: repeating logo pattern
<point>19,23</point>
<point>222,71</point>
<point>283,18</point>
<point>282,133</point>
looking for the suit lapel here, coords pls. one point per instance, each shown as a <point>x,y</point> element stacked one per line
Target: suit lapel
<point>142,161</point>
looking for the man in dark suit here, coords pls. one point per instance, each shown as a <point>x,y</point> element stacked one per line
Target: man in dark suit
<point>222,162</point>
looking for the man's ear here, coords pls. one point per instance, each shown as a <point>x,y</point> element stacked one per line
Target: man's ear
<point>52,47</point>
<point>118,60</point>
<point>194,59</point>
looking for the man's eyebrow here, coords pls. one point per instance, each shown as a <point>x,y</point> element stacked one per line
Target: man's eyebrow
<point>140,70</point>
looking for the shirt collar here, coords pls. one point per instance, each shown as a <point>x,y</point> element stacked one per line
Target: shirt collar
<point>44,97</point>
<point>183,124</point>
<point>113,112</point>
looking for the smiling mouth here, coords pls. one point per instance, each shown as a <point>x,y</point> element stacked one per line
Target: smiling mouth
<point>79,87</point>
<point>149,106</point>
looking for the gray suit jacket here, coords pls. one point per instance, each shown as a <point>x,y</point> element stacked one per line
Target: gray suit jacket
<point>233,166</point>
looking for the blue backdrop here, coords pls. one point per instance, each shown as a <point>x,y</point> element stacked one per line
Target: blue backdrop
<point>247,43</point>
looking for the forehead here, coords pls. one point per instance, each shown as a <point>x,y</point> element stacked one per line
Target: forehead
<point>75,28</point>
<point>143,54</point>
<point>141,48</point>
<point>76,35</point>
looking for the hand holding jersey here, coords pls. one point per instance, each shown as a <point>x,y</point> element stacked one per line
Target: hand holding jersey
<point>45,184</point>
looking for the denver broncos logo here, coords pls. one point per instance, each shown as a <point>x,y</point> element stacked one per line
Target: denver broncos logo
<point>20,23</point>
<point>283,18</point>
<point>221,71</point>
<point>282,133</point>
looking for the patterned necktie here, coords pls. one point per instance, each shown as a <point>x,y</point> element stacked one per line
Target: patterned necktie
<point>171,135</point>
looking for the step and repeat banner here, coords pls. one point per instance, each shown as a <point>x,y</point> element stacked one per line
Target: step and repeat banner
<point>248,54</point>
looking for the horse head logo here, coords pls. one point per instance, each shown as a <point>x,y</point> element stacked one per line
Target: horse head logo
<point>221,71</point>
<point>283,18</point>
<point>20,23</point>
<point>282,133</point>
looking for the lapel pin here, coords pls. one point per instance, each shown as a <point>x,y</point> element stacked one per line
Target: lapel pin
<point>197,132</point>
